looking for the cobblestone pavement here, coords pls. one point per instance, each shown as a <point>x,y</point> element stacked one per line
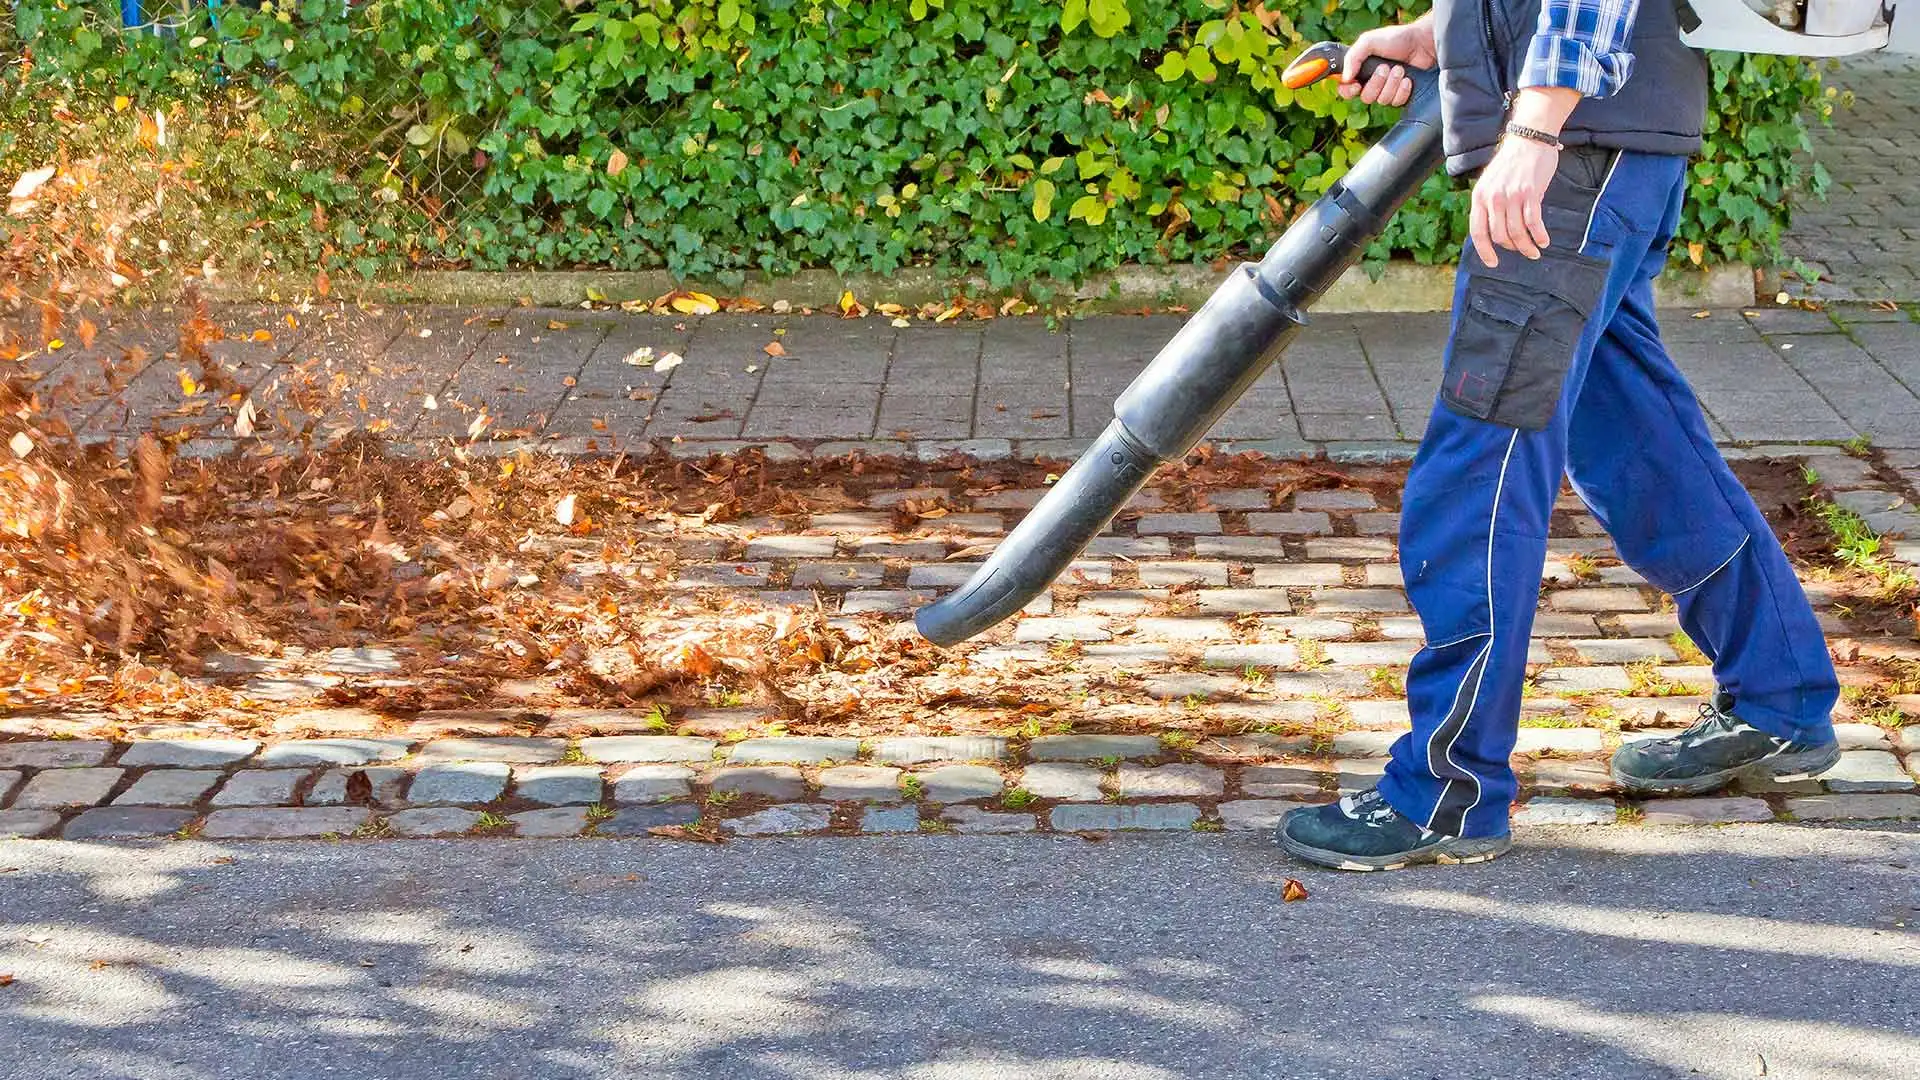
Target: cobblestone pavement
<point>1353,388</point>
<point>1866,238</point>
<point>1281,621</point>
<point>1599,954</point>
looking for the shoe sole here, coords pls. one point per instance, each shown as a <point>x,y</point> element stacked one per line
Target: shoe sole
<point>1804,765</point>
<point>1459,851</point>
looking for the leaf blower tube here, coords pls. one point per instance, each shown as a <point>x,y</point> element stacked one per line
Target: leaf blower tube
<point>1243,328</point>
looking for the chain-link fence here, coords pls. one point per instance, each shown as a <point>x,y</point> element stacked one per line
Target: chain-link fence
<point>406,137</point>
<point>402,102</point>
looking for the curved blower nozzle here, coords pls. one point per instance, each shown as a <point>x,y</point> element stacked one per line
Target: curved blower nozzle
<point>1039,549</point>
<point>1245,326</point>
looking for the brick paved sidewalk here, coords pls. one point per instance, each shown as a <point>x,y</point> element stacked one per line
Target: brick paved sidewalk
<point>1201,669</point>
<point>1866,237</point>
<point>1352,387</point>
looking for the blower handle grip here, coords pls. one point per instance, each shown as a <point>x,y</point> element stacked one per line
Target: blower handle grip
<point>1328,59</point>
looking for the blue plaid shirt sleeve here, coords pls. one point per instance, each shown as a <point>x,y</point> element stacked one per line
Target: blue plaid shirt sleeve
<point>1582,45</point>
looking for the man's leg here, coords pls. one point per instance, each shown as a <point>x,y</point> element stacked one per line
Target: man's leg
<point>1474,516</point>
<point>1680,518</point>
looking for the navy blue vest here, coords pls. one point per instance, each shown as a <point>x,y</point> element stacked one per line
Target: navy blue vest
<point>1662,109</point>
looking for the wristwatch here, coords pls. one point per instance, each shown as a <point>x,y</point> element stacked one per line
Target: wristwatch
<point>1535,135</point>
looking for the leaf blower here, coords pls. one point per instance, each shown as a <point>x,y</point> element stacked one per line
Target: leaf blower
<point>1243,328</point>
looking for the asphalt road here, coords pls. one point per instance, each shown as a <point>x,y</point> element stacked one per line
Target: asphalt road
<point>1748,951</point>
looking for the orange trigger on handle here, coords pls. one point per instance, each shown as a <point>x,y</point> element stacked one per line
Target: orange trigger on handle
<point>1305,73</point>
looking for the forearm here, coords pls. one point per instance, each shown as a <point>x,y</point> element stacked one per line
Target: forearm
<point>1544,108</point>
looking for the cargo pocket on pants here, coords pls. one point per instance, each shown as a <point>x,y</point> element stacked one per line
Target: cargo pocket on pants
<point>1516,334</point>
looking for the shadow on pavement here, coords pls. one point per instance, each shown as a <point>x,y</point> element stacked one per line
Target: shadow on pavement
<point>1736,952</point>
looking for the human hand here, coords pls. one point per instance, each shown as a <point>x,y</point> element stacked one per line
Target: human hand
<point>1411,45</point>
<point>1507,200</point>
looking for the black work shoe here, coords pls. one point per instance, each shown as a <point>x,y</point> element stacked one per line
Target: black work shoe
<point>1716,750</point>
<point>1361,832</point>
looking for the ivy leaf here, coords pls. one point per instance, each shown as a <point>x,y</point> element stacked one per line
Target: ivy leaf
<point>1043,192</point>
<point>1088,208</point>
<point>617,163</point>
<point>1200,62</point>
<point>1108,17</point>
<point>420,134</point>
<point>1072,15</point>
<point>1172,66</point>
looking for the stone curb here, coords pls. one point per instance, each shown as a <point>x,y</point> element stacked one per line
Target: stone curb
<point>1063,784</point>
<point>1402,286</point>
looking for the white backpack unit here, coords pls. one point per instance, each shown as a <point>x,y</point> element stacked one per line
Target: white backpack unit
<point>1801,27</point>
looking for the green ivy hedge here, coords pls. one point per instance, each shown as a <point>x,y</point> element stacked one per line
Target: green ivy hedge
<point>1030,139</point>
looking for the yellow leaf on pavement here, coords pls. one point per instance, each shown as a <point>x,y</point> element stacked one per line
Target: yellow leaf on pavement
<point>187,385</point>
<point>694,303</point>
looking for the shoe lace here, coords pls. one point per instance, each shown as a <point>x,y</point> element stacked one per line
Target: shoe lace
<point>1370,806</point>
<point>1712,720</point>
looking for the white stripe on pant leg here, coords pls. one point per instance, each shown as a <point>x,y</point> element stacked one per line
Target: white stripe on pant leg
<point>1493,520</point>
<point>1479,669</point>
<point>1717,569</point>
<point>1595,212</point>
